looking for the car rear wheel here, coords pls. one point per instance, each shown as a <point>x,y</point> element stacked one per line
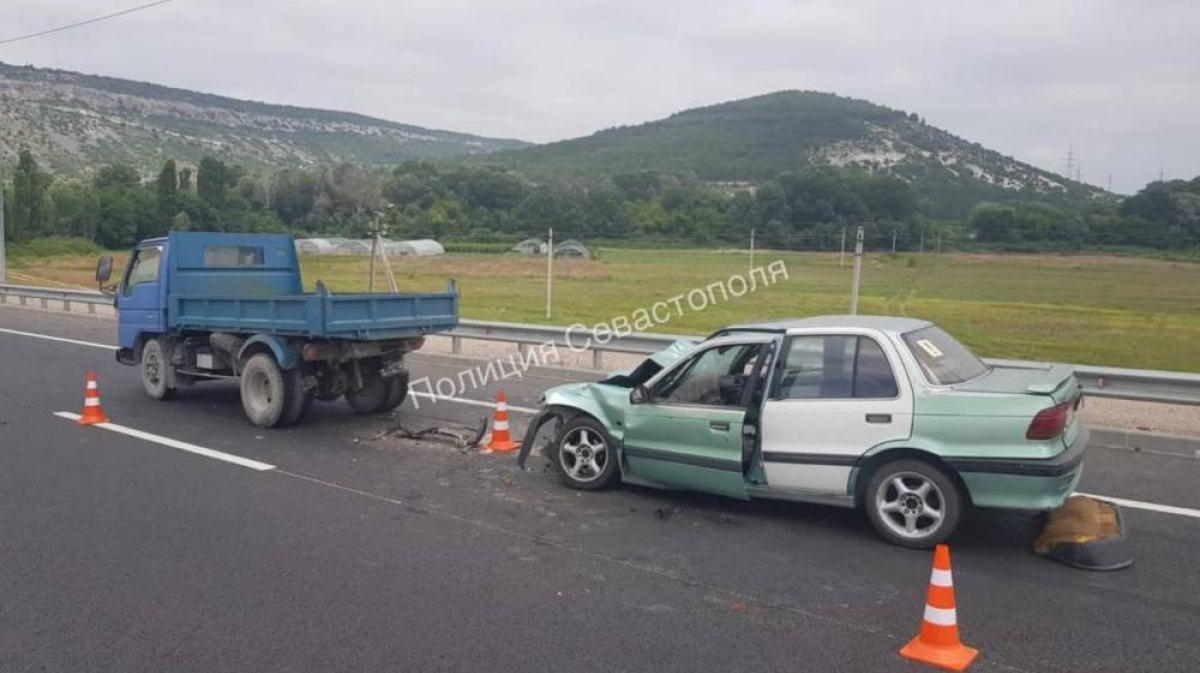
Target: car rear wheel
<point>583,455</point>
<point>913,504</point>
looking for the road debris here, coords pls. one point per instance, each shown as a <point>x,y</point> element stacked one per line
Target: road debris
<point>461,436</point>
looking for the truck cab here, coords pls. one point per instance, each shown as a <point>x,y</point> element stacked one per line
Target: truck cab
<point>141,299</point>
<point>195,306</point>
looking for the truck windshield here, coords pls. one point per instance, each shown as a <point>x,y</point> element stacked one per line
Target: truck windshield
<point>943,360</point>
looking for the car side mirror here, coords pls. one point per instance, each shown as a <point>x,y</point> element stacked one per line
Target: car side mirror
<point>104,270</point>
<point>639,395</point>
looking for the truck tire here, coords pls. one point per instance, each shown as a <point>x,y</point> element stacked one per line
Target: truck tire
<point>157,376</point>
<point>371,397</point>
<point>397,392</point>
<point>300,400</point>
<point>913,503</point>
<point>267,391</point>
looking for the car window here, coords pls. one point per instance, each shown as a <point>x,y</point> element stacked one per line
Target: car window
<point>943,360</point>
<point>714,377</point>
<point>835,367</point>
<point>143,268</point>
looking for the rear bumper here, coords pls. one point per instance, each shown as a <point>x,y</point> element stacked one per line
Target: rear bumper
<point>1023,483</point>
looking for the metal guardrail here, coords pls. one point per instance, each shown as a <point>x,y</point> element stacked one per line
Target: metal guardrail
<point>1128,384</point>
<point>44,295</point>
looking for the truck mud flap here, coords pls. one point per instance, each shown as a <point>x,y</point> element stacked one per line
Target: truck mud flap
<point>1085,533</point>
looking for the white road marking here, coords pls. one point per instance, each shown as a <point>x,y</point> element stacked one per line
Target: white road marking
<point>1148,506</point>
<point>435,398</point>
<point>47,337</point>
<point>256,465</point>
<point>175,444</point>
<point>477,403</point>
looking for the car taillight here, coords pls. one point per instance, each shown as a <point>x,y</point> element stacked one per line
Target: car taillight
<point>1050,423</point>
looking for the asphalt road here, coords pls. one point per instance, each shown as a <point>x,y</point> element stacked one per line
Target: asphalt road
<point>367,553</point>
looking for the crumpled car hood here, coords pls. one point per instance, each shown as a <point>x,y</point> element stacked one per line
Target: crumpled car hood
<point>606,400</point>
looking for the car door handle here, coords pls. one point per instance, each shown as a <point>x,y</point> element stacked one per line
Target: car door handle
<point>879,418</point>
<point>719,425</point>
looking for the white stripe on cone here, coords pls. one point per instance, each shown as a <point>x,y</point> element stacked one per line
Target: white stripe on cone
<point>500,425</point>
<point>940,616</point>
<point>91,385</point>
<point>941,578</point>
<point>91,402</point>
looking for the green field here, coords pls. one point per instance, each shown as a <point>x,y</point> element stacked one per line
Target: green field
<point>1104,310</point>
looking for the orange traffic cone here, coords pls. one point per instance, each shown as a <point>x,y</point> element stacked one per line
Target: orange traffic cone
<point>92,411</point>
<point>501,439</point>
<point>938,644</point>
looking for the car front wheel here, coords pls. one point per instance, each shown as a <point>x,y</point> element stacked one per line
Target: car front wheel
<point>913,504</point>
<point>583,455</point>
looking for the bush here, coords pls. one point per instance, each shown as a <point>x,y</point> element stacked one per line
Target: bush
<point>54,245</point>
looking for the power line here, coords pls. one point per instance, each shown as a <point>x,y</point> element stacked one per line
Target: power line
<point>77,24</point>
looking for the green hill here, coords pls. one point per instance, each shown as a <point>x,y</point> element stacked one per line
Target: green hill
<point>74,122</point>
<point>757,138</point>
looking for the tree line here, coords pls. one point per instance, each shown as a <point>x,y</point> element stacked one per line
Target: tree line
<point>803,209</point>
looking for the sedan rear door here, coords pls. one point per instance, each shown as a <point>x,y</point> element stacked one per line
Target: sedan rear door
<point>833,396</point>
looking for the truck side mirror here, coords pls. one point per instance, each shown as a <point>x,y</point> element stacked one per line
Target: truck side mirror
<point>104,270</point>
<point>639,395</point>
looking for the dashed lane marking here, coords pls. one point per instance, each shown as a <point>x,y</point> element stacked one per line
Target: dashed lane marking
<point>1148,506</point>
<point>435,398</point>
<point>47,337</point>
<point>175,444</point>
<point>477,403</point>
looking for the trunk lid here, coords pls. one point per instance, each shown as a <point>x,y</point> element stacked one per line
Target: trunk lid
<point>1056,381</point>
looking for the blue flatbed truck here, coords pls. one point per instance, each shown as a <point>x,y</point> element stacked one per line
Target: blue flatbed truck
<point>196,306</point>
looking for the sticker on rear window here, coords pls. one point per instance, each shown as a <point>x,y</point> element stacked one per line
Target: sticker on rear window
<point>927,346</point>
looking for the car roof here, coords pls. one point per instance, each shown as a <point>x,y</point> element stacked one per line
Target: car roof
<point>883,323</point>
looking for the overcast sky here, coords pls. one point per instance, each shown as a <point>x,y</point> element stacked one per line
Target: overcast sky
<point>1118,80</point>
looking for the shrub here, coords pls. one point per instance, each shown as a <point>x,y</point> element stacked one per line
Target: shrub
<point>54,245</point>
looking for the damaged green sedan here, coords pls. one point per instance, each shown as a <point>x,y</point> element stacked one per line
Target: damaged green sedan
<point>892,415</point>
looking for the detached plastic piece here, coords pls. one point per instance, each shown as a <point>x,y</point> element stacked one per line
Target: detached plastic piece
<point>1085,533</point>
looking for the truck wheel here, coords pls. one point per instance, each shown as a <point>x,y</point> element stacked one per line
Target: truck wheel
<point>913,504</point>
<point>156,371</point>
<point>583,455</point>
<point>397,392</point>
<point>371,397</point>
<point>301,399</point>
<point>267,391</point>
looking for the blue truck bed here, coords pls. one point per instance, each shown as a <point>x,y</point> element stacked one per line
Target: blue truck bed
<point>320,314</point>
<point>251,283</point>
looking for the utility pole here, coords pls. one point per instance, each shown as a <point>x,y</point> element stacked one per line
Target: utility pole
<point>842,258</point>
<point>894,229</point>
<point>1070,161</point>
<point>751,249</point>
<point>3,270</point>
<point>377,249</point>
<point>858,249</point>
<point>939,241</point>
<point>550,274</point>
<point>922,250</point>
